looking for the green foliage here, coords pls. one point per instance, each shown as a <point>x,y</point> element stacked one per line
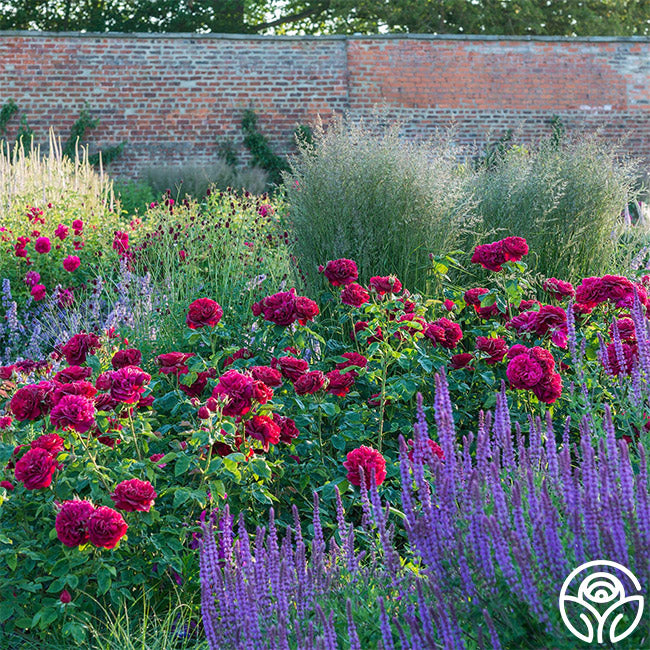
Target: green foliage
<point>134,196</point>
<point>228,152</point>
<point>362,192</point>
<point>82,125</point>
<point>7,111</point>
<point>261,153</point>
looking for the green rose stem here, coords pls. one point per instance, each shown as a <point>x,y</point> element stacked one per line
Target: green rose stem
<point>135,439</point>
<point>100,474</point>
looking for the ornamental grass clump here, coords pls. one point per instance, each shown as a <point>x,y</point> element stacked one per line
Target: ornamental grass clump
<point>361,192</point>
<point>494,526</point>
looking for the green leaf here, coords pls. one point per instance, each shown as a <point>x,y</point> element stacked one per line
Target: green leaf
<point>182,464</point>
<point>329,409</point>
<point>181,496</point>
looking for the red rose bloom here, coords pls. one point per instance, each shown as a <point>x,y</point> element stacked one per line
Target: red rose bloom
<point>32,401</point>
<point>65,597</point>
<point>196,388</point>
<point>121,242</point>
<point>72,374</point>
<point>79,347</point>
<point>524,372</point>
<point>264,429</point>
<point>514,248</point>
<point>495,348</point>
<point>270,376</point>
<point>83,388</point>
<point>451,333</point>
<point>128,384</point>
<point>559,289</point>
<point>134,495</point>
<point>626,330</point>
<point>280,308</point>
<point>310,383</point>
<point>261,392</point>
<point>123,358</point>
<point>340,272</point>
<point>61,232</point>
<point>73,412</point>
<point>35,469</point>
<point>71,263</point>
<point>459,361</point>
<point>361,326</point>
<point>352,359</point>
<point>236,390</point>
<point>203,312</point>
<point>339,383</point>
<point>369,460</point>
<point>38,292</point>
<point>106,527</point>
<point>306,309</point>
<point>489,256</point>
<point>50,442</point>
<point>71,522</point>
<point>173,363</point>
<point>288,429</point>
<point>6,372</point>
<point>354,295</point>
<point>473,297</point>
<point>42,245</point>
<point>292,368</point>
<point>385,284</point>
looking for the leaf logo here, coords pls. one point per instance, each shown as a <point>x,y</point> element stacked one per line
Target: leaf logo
<point>594,615</point>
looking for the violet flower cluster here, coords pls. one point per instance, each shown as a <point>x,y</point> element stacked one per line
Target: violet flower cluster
<point>492,531</point>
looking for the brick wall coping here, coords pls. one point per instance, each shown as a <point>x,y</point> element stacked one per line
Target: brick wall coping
<point>331,37</point>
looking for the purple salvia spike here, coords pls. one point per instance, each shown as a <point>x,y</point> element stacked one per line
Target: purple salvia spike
<point>626,476</point>
<point>590,494</point>
<point>521,444</point>
<point>618,346</point>
<point>502,554</point>
<point>420,448</point>
<point>391,558</point>
<point>406,480</point>
<point>318,545</point>
<point>566,432</point>
<point>506,427</point>
<point>551,518</point>
<point>384,625</point>
<point>329,633</point>
<point>535,442</point>
<point>482,445</point>
<point>602,355</point>
<point>353,637</point>
<point>643,505</point>
<point>446,431</point>
<point>494,636</point>
<point>366,518</point>
<point>641,331</point>
<point>551,449</point>
<point>571,334</point>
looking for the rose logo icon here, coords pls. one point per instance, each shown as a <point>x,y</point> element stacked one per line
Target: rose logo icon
<point>596,612</point>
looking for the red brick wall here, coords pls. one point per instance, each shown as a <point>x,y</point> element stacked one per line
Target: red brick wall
<point>172,96</point>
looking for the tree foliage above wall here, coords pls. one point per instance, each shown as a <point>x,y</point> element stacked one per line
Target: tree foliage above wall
<point>507,17</point>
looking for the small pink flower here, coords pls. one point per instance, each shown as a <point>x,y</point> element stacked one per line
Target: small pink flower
<point>71,263</point>
<point>38,292</point>
<point>42,245</point>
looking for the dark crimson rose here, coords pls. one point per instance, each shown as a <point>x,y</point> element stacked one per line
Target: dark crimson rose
<point>72,374</point>
<point>203,312</point>
<point>354,295</point>
<point>292,368</point>
<point>123,358</point>
<point>461,360</point>
<point>288,429</point>
<point>73,412</point>
<point>434,447</point>
<point>528,305</point>
<point>105,402</point>
<point>50,442</point>
<point>280,308</point>
<point>489,256</point>
<point>369,461</point>
<point>515,350</point>
<point>589,293</point>
<point>198,386</point>
<point>544,358</point>
<point>147,400</point>
<point>451,333</point>
<point>7,485</point>
<point>35,469</point>
<point>495,348</point>
<point>306,309</point>
<point>264,429</point>
<point>106,527</point>
<point>270,376</point>
<point>6,372</point>
<point>104,381</point>
<point>134,495</point>
<point>261,392</point>
<point>173,363</point>
<point>310,383</point>
<point>236,391</point>
<point>339,383</point>
<point>71,522</point>
<point>65,597</point>
<point>32,401</point>
<point>340,272</point>
<point>83,388</point>
<point>121,243</point>
<point>524,372</point>
<point>514,248</point>
<point>256,308</point>
<point>79,347</point>
<point>473,297</point>
<point>385,284</point>
<point>362,326</point>
<point>550,317</point>
<point>626,330</point>
<point>352,359</point>
<point>549,389</point>
<point>71,263</point>
<point>128,384</point>
<point>559,289</point>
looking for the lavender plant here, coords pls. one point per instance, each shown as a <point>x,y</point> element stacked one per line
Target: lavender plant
<point>493,530</point>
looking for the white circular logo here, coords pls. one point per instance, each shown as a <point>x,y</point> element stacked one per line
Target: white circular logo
<point>601,603</point>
